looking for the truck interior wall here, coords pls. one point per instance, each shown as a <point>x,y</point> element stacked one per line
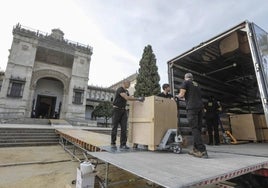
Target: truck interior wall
<point>235,99</point>
<point>224,70</point>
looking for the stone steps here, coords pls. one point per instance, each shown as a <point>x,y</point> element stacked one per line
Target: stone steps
<point>25,137</point>
<point>37,140</point>
<point>26,134</point>
<point>27,121</point>
<point>25,144</point>
<point>11,137</point>
<point>26,130</point>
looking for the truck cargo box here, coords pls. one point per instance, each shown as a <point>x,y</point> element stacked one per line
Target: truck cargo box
<point>232,66</point>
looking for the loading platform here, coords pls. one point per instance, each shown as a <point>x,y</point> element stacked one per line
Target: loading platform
<point>176,170</point>
<point>87,140</point>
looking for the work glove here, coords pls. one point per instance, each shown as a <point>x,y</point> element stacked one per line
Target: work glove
<point>141,99</point>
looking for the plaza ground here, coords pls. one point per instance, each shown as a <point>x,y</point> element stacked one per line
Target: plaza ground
<point>49,166</point>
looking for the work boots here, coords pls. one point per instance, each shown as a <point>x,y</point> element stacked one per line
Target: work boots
<point>192,151</point>
<point>200,154</point>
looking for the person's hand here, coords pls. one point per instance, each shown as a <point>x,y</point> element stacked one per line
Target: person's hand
<point>180,98</point>
<point>141,99</point>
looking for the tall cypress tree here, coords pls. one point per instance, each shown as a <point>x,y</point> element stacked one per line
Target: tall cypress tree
<point>148,77</point>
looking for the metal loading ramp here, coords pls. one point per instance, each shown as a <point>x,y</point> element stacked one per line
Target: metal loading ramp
<point>175,170</point>
<point>182,170</point>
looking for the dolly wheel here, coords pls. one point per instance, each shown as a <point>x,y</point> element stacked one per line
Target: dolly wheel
<point>177,149</point>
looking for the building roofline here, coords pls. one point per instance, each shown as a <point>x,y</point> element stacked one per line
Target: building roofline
<point>130,78</point>
<point>29,32</point>
<point>100,88</point>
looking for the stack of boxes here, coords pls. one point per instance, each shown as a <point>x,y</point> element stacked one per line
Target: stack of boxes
<point>263,126</point>
<point>250,127</point>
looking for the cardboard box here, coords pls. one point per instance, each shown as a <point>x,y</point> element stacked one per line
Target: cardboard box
<point>86,180</point>
<point>243,43</point>
<point>259,134</point>
<point>261,122</point>
<point>229,43</point>
<point>244,127</point>
<point>149,120</point>
<point>265,134</point>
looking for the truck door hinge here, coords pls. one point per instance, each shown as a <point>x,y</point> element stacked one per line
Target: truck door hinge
<point>257,66</point>
<point>265,101</point>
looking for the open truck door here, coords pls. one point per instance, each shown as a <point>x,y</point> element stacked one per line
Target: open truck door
<point>258,40</point>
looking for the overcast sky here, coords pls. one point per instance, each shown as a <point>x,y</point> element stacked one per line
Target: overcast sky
<point>118,30</point>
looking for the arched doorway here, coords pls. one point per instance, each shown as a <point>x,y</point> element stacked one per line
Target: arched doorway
<point>48,96</point>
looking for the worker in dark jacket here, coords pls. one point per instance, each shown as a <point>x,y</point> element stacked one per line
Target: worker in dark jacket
<point>212,108</point>
<point>191,92</point>
<point>165,93</point>
<point>120,114</point>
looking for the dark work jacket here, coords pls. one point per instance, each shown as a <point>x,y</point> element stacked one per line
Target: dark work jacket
<point>211,109</point>
<point>169,96</point>
<point>119,101</point>
<point>193,97</point>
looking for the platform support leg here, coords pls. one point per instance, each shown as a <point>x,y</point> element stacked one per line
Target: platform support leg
<point>74,150</point>
<point>106,174</point>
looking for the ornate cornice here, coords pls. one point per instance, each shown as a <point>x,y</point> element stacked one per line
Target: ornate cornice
<point>46,39</point>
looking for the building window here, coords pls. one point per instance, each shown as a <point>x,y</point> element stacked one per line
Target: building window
<point>15,89</point>
<point>78,96</point>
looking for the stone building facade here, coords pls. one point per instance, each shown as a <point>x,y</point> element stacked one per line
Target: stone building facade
<point>46,76</point>
<point>133,80</point>
<point>95,95</point>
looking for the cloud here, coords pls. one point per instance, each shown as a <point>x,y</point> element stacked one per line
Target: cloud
<point>109,63</point>
<point>119,30</point>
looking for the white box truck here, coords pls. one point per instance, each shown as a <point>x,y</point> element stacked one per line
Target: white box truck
<point>232,66</point>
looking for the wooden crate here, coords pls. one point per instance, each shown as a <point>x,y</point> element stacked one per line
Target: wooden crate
<point>246,127</point>
<point>149,120</point>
